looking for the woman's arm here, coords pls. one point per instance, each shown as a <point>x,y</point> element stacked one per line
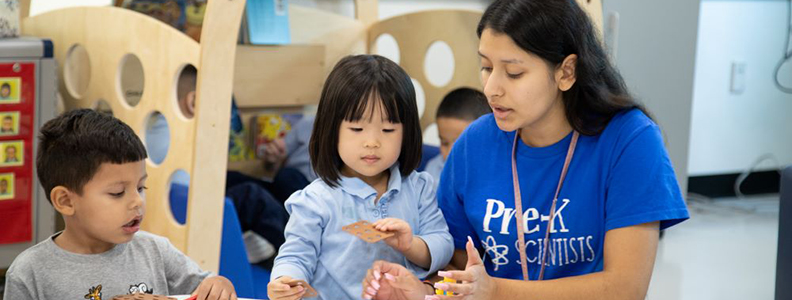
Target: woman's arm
<point>629,255</point>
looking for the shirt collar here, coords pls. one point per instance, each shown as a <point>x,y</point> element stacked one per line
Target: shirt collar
<point>357,187</point>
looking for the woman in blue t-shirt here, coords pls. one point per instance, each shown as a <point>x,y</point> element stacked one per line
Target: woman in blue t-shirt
<point>565,127</point>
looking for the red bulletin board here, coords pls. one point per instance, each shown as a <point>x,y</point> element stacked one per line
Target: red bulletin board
<point>17,108</point>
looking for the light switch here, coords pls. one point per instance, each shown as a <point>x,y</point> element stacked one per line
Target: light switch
<point>737,77</point>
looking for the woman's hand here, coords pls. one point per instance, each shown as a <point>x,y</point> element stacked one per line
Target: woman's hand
<point>402,239</point>
<point>389,281</point>
<point>475,283</point>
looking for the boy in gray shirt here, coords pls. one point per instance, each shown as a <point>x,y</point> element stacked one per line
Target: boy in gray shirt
<point>93,170</point>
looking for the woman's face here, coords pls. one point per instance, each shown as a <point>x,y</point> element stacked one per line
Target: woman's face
<point>521,87</point>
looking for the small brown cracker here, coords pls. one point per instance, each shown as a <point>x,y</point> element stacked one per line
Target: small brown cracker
<point>142,297</point>
<point>309,291</point>
<point>365,231</point>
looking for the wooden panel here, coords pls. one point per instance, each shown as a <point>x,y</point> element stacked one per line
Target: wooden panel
<point>289,75</point>
<point>108,34</point>
<point>415,32</point>
<point>367,11</point>
<point>212,111</point>
<point>122,32</point>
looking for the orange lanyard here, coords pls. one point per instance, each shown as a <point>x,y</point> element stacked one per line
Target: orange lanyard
<point>518,204</point>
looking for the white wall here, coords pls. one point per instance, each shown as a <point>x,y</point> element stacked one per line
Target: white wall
<point>730,130</point>
<point>41,6</point>
<point>656,50</point>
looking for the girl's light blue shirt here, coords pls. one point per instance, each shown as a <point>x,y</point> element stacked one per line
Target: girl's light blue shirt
<point>335,262</point>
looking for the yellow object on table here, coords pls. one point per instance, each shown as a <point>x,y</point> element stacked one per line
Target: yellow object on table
<point>445,293</point>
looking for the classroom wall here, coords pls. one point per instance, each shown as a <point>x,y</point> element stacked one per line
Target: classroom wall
<point>731,130</point>
<point>656,52</point>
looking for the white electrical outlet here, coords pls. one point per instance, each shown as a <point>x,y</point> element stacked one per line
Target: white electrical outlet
<point>737,77</point>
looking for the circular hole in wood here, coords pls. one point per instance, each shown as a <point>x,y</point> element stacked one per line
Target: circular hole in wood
<point>131,79</point>
<point>386,45</point>
<point>179,188</point>
<point>439,64</point>
<point>186,82</point>
<point>77,71</point>
<point>420,97</point>
<point>157,137</point>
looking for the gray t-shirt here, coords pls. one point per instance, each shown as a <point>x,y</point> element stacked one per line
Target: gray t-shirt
<point>148,263</point>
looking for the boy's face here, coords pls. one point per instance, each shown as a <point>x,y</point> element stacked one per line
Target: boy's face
<point>369,147</point>
<point>449,129</point>
<point>10,152</point>
<point>3,186</point>
<point>8,124</point>
<point>5,92</point>
<point>111,206</point>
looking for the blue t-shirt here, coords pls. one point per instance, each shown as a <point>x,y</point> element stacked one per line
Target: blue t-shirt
<point>619,178</point>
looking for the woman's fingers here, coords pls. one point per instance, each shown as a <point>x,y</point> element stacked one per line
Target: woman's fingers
<point>459,276</point>
<point>457,288</point>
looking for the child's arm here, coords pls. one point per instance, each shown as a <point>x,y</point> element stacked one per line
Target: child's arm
<point>432,227</point>
<point>414,248</point>
<point>298,256</point>
<point>182,274</point>
<point>431,247</point>
<point>215,288</point>
<point>15,288</point>
<point>277,289</point>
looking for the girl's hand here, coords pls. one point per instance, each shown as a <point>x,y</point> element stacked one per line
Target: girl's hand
<point>475,283</point>
<point>402,238</point>
<point>389,281</point>
<point>215,288</point>
<point>279,290</point>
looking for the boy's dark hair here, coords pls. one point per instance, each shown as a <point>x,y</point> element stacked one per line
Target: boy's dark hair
<point>552,30</point>
<point>5,86</point>
<point>73,146</point>
<point>7,117</point>
<point>464,104</point>
<point>355,83</point>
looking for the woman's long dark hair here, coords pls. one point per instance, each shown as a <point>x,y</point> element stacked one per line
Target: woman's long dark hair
<point>552,30</point>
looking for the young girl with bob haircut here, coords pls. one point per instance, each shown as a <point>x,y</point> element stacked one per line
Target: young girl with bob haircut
<point>365,146</point>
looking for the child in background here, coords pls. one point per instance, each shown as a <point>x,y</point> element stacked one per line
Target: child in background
<point>365,146</point>
<point>93,170</point>
<point>457,110</point>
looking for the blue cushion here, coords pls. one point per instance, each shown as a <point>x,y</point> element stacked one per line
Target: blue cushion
<point>178,201</point>
<point>234,264</point>
<point>233,256</point>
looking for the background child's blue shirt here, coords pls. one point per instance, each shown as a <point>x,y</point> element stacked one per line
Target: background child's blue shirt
<point>619,178</point>
<point>335,262</point>
<point>435,167</point>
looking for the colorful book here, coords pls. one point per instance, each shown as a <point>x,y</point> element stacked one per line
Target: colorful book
<point>267,128</point>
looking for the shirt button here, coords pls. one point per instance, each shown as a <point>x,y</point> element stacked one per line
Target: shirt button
<point>376,213</point>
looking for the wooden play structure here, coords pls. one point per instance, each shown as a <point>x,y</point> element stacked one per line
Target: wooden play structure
<point>95,46</point>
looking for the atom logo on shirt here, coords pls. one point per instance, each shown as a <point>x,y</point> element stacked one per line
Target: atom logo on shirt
<point>562,249</point>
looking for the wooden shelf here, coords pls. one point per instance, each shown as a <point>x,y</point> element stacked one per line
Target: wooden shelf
<point>273,76</point>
